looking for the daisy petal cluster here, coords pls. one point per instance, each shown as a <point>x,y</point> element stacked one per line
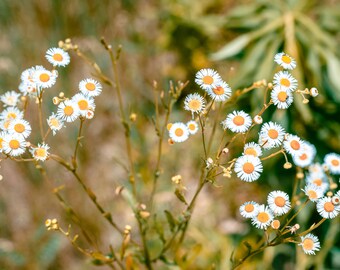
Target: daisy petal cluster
<point>179,132</point>
<point>332,161</point>
<point>237,121</point>
<point>293,145</point>
<point>248,168</point>
<point>194,103</point>
<point>306,156</point>
<point>57,57</point>
<point>278,202</point>
<point>40,152</point>
<point>210,81</point>
<point>310,243</point>
<point>285,61</point>
<point>10,98</point>
<point>263,217</point>
<point>271,135</point>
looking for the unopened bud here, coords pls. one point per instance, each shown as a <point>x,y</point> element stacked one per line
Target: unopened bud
<point>275,224</point>
<point>56,100</point>
<point>258,119</point>
<point>305,101</point>
<point>287,165</point>
<point>61,95</point>
<point>133,117</point>
<point>314,92</point>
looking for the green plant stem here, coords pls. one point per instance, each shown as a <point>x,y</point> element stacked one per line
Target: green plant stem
<point>74,158</point>
<point>159,153</point>
<point>125,123</point>
<point>41,127</point>
<point>89,192</point>
<point>203,137</point>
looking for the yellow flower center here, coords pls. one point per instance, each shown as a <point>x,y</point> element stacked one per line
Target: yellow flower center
<point>168,126</point>
<point>286,59</point>
<point>219,90</point>
<point>54,122</point>
<point>44,77</point>
<point>14,144</point>
<point>20,128</point>
<point>192,126</point>
<point>273,134</point>
<point>208,80</point>
<point>285,82</point>
<point>249,208</point>
<point>1,140</point>
<point>328,206</point>
<point>68,110</point>
<point>312,194</point>
<point>295,144</point>
<point>282,96</point>
<point>317,182</point>
<point>248,167</point>
<point>303,156</point>
<point>58,57</point>
<point>83,104</point>
<point>195,104</point>
<point>335,162</point>
<point>308,244</point>
<point>238,120</point>
<point>280,201</point>
<point>251,151</point>
<point>90,86</point>
<point>40,152</point>
<point>263,217</point>
<point>179,132</point>
<point>11,115</point>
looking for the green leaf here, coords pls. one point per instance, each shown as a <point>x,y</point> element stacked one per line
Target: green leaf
<point>180,196</point>
<point>171,220</point>
<point>333,70</point>
<point>232,48</point>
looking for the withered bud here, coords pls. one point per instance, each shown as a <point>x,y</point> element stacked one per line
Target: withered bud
<point>133,117</point>
<point>287,165</point>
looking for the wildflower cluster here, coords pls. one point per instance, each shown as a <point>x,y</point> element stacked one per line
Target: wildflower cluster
<point>272,136</point>
<point>34,82</point>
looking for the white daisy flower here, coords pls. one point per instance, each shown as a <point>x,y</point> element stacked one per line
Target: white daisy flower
<point>57,57</point>
<point>194,103</point>
<point>40,152</point>
<point>316,168</point>
<point>249,209</point>
<point>248,168</point>
<point>278,202</point>
<point>84,103</point>
<point>20,127</point>
<point>271,135</point>
<point>253,149</point>
<point>192,127</point>
<point>207,78</point>
<point>68,111</point>
<point>285,61</point>
<point>293,145</point>
<point>285,80</point>
<point>306,157</point>
<point>220,92</point>
<point>2,137</point>
<point>10,98</point>
<point>4,124</point>
<point>14,145</point>
<point>45,78</point>
<point>90,87</point>
<point>263,217</point>
<point>27,76</point>
<point>11,113</point>
<point>326,208</point>
<point>179,132</point>
<point>28,89</point>
<point>332,161</point>
<point>237,121</point>
<point>313,192</point>
<point>318,180</point>
<point>281,97</point>
<point>55,123</point>
<point>310,243</point>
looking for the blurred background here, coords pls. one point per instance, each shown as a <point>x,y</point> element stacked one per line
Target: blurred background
<point>164,40</point>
